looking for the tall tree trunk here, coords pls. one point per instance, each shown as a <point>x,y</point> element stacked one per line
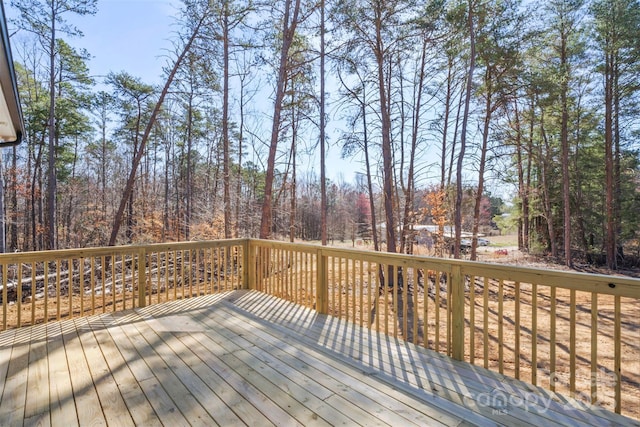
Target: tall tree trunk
<point>609,166</point>
<point>71,202</point>
<point>50,241</point>
<point>189,178</point>
<point>564,138</point>
<point>226,169</point>
<point>292,201</point>
<point>240,175</point>
<point>545,162</point>
<point>445,129</point>
<point>410,191</point>
<point>454,142</point>
<point>165,210</point>
<point>387,157</point>
<point>367,159</point>
<point>463,135</point>
<point>523,221</point>
<point>36,199</point>
<point>526,204</point>
<point>292,161</point>
<point>323,169</point>
<point>617,191</point>
<point>483,158</point>
<point>290,22</point>
<point>13,191</point>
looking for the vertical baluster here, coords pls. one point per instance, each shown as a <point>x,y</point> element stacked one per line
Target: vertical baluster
<point>174,256</point>
<point>392,286</point>
<point>516,349</point>
<point>103,284</point>
<point>70,286</point>
<point>403,286</point>
<point>113,282</point>
<point>485,315</point>
<point>437,308</point>
<point>534,334</point>
<point>58,262</point>
<point>552,341</point>
<point>19,293</point>
<point>45,284</point>
<point>81,284</point>
<point>472,319</point>
<point>354,290</point>
<point>386,298</point>
<point>449,312</point>
<point>346,290</point>
<point>338,286</point>
<point>375,287</point>
<point>92,277</point>
<point>199,281</point>
<point>222,268</point>
<point>501,326</point>
<point>135,266</point>
<point>361,288</point>
<point>594,347</point>
<point>425,308</point>
<point>572,343</point>
<point>617,339</point>
<point>5,270</point>
<point>33,293</point>
<point>416,315</point>
<point>206,278</point>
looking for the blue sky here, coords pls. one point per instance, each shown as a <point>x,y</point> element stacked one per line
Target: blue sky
<point>124,35</point>
<point>135,36</point>
<point>128,35</point>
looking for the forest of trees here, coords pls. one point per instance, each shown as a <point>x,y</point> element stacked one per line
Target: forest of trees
<point>436,101</point>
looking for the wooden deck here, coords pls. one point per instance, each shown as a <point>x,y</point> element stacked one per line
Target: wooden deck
<point>245,358</point>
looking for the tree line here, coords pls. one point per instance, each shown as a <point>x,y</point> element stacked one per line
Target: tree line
<point>434,100</point>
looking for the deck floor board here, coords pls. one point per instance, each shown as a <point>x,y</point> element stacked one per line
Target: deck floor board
<point>246,358</point>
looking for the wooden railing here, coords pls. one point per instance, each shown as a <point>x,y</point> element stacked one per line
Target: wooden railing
<point>578,334</point>
<point>574,333</point>
<point>52,285</point>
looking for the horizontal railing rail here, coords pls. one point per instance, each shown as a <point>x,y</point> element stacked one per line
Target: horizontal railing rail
<point>575,333</point>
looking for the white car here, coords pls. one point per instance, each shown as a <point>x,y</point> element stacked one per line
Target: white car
<point>483,242</point>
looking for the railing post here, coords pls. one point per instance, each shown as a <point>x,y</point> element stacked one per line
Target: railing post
<point>142,277</point>
<point>457,313</point>
<point>248,267</point>
<point>322,287</point>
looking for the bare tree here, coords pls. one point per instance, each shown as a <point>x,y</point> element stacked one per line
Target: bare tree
<point>290,21</point>
<point>136,160</point>
<point>463,136</point>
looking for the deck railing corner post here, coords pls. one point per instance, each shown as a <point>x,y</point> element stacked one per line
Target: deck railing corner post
<point>322,287</point>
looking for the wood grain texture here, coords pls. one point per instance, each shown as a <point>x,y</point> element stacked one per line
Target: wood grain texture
<point>247,358</point>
